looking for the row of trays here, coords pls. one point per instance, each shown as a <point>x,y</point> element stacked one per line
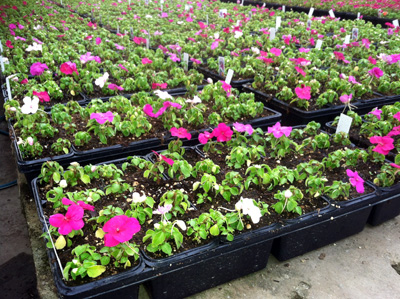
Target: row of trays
<point>220,261</point>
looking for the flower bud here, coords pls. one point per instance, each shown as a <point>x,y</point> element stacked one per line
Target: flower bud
<point>63,184</point>
<point>30,140</point>
<point>288,193</point>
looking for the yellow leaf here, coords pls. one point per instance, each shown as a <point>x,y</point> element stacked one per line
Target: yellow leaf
<point>100,233</point>
<point>73,92</point>
<point>60,243</point>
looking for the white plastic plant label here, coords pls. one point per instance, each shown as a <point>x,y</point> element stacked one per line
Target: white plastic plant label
<point>146,2</point>
<point>272,33</point>
<point>62,4</point>
<point>347,39</point>
<point>92,13</point>
<point>263,5</point>
<point>354,34</point>
<point>310,13</point>
<point>2,64</point>
<point>131,32</point>
<point>222,12</point>
<point>309,22</point>
<point>207,19</point>
<point>1,47</point>
<point>241,4</point>
<point>186,61</point>
<point>331,14</point>
<point>278,22</point>
<point>221,66</point>
<point>161,7</point>
<point>358,16</point>
<point>229,76</point>
<point>396,23</point>
<point>8,86</point>
<point>237,23</point>
<point>318,45</point>
<point>147,43</point>
<point>100,22</point>
<point>379,13</point>
<point>250,14</point>
<point>344,124</point>
<point>162,1</point>
<point>283,8</point>
<point>117,28</point>
<point>129,2</point>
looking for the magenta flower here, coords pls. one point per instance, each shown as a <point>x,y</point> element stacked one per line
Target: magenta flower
<point>214,45</point>
<point>173,57</point>
<point>122,67</point>
<point>43,96</point>
<point>180,133</point>
<point>120,229</point>
<point>243,128</point>
<point>38,68</point>
<point>159,85</point>
<point>119,47</point>
<point>88,57</point>
<point>65,201</point>
<point>376,72</point>
<point>346,98</point>
<point>300,71</point>
<point>204,137</point>
<point>68,68</point>
<point>113,86</point>
<point>340,56</point>
<point>384,144</point>
<point>303,92</point>
<point>162,157</point>
<point>101,118</point>
<point>366,42</point>
<point>9,44</point>
<point>356,180</point>
<point>300,61</point>
<point>98,40</point>
<point>72,220</point>
<point>278,131</point>
<point>377,112</point>
<point>304,50</point>
<point>195,60</point>
<point>148,109</point>
<point>146,61</point>
<point>227,87</point>
<point>353,80</point>
<point>397,116</point>
<point>276,51</point>
<point>24,81</point>
<point>394,132</point>
<point>395,165</point>
<point>222,132</point>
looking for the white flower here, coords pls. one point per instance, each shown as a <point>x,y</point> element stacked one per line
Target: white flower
<point>75,164</point>
<point>63,184</point>
<point>75,270</point>
<point>288,194</point>
<point>248,207</point>
<point>89,199</point>
<point>38,27</point>
<point>137,198</point>
<point>157,225</point>
<point>195,100</point>
<point>30,140</point>
<point>148,17</point>
<point>181,224</point>
<point>93,168</point>
<point>179,22</point>
<point>238,34</point>
<point>255,50</point>
<point>209,81</point>
<point>216,35</point>
<point>163,94</point>
<point>20,141</point>
<point>12,109</point>
<point>35,47</point>
<point>102,80</point>
<point>15,79</point>
<point>30,105</point>
<point>74,261</point>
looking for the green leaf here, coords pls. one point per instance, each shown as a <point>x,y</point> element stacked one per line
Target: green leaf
<point>214,230</point>
<point>158,239</point>
<point>166,248</point>
<point>95,271</point>
<point>85,179</point>
<point>56,177</point>
<point>278,207</point>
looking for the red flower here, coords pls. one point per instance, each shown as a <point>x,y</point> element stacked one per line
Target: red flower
<point>8,44</point>
<point>68,68</point>
<point>43,96</point>
<point>222,132</point>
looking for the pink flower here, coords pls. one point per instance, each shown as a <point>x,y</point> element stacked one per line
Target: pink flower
<point>372,60</point>
<point>353,80</point>
<point>385,144</point>
<point>397,116</point>
<point>12,26</point>
<point>395,165</point>
<point>139,40</point>
<point>98,40</point>
<point>195,60</point>
<point>222,132</point>
<point>38,68</point>
<point>89,37</point>
<point>65,201</point>
<point>119,47</point>
<point>340,56</point>
<point>278,131</point>
<point>355,180</point>
<point>173,57</point>
<point>377,112</point>
<point>71,221</point>
<point>146,61</point>
<point>68,68</point>
<point>122,67</point>
<point>346,98</point>
<point>214,45</point>
<point>159,85</point>
<point>163,210</point>
<point>162,157</point>
<point>366,42</point>
<point>204,137</point>
<point>202,25</point>
<point>376,72</point>
<point>148,109</point>
<point>243,128</point>
<point>276,51</point>
<point>300,61</point>
<point>300,71</point>
<point>101,118</point>
<point>394,132</point>
<point>24,81</point>
<point>120,229</point>
<point>304,50</point>
<point>8,44</point>
<point>227,87</point>
<point>43,96</point>
<point>113,86</point>
<point>180,133</point>
<point>304,92</point>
